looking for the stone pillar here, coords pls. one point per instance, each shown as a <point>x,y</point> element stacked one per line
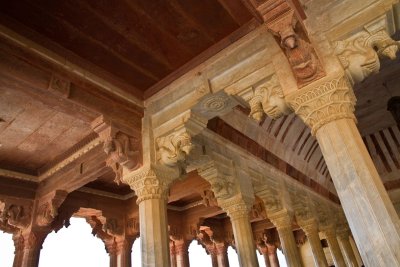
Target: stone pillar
<point>347,250</point>
<point>222,254</point>
<point>264,252</point>
<point>238,211</point>
<point>151,186</point>
<point>327,107</point>
<point>212,250</point>
<point>272,255</point>
<point>123,252</point>
<point>283,223</point>
<point>172,253</point>
<point>333,244</point>
<point>32,244</point>
<point>311,230</point>
<point>19,249</point>
<point>182,253</point>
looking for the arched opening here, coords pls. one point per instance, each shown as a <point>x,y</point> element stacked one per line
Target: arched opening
<point>198,256</point>
<point>232,257</point>
<point>136,256</point>
<point>73,246</point>
<point>6,249</point>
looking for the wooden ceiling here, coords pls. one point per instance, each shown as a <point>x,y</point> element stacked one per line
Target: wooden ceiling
<point>140,42</point>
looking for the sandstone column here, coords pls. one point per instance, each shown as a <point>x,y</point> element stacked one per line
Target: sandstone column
<point>123,251</point>
<point>212,250</point>
<point>327,107</point>
<point>151,186</point>
<point>32,244</point>
<point>272,255</point>
<point>311,230</point>
<point>283,223</point>
<point>19,249</point>
<point>347,250</point>
<point>182,253</point>
<point>264,252</point>
<point>333,244</point>
<point>222,254</point>
<point>238,211</point>
<point>172,253</point>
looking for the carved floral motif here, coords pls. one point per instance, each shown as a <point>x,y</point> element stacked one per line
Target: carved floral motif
<point>173,148</point>
<point>13,215</point>
<point>330,100</point>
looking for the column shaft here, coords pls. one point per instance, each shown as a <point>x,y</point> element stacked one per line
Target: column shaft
<point>182,254</point>
<point>154,232</point>
<point>369,211</point>
<point>315,244</point>
<point>334,248</point>
<point>347,251</point>
<point>222,255</point>
<point>273,257</point>
<point>289,246</point>
<point>244,241</point>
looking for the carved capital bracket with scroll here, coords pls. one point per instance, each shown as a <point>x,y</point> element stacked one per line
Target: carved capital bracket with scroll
<point>15,215</point>
<point>47,207</point>
<point>123,150</point>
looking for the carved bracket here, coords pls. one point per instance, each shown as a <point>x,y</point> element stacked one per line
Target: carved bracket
<point>14,215</point>
<point>123,150</point>
<point>47,209</point>
<point>360,53</point>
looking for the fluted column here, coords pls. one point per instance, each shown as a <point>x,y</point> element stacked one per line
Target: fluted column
<point>222,254</point>
<point>122,253</point>
<point>238,211</point>
<point>182,253</point>
<point>347,250</point>
<point>272,255</point>
<point>172,253</point>
<point>212,250</point>
<point>327,107</point>
<point>19,249</point>
<point>311,230</point>
<point>283,223</point>
<point>333,244</point>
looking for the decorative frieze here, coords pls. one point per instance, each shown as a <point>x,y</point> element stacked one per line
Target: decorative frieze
<point>326,101</point>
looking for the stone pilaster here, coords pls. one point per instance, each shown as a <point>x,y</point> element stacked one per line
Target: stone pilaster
<point>283,223</point>
<point>327,107</point>
<point>182,253</point>
<point>310,228</point>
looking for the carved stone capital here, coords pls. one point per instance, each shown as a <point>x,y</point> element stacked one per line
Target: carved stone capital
<point>151,182</point>
<point>360,53</point>
<point>236,207</point>
<point>322,102</point>
<point>310,226</point>
<point>282,219</point>
<point>271,197</point>
<point>47,209</point>
<point>268,99</point>
<point>209,199</point>
<point>122,149</point>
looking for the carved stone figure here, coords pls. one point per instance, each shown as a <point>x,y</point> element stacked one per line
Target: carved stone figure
<point>268,99</point>
<point>209,199</point>
<point>15,216</point>
<point>359,55</point>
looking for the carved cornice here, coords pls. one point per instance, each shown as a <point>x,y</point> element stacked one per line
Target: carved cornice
<point>152,181</point>
<point>326,101</point>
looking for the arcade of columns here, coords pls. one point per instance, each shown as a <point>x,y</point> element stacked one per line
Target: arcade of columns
<point>266,208</point>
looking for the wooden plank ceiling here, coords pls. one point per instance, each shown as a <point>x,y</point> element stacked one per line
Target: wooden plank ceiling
<point>140,42</point>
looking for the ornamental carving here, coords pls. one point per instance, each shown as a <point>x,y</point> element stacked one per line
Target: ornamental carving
<point>268,99</point>
<point>271,198</point>
<point>47,210</point>
<point>236,207</point>
<point>132,226</point>
<point>123,150</point>
<point>152,181</point>
<point>258,211</point>
<point>173,148</point>
<point>329,101</point>
<point>359,55</point>
<point>112,227</point>
<point>209,199</point>
<point>300,53</point>
<point>13,215</point>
